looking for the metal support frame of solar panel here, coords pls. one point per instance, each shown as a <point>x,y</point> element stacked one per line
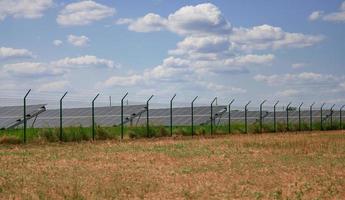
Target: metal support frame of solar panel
<point>10,114</point>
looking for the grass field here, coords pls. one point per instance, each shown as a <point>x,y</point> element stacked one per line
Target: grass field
<point>240,166</point>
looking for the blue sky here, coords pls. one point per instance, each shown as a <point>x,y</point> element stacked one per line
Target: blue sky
<point>248,50</point>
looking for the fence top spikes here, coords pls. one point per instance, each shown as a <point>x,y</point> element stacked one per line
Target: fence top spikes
<point>214,100</point>
<point>63,96</point>
<point>95,97</point>
<point>342,107</point>
<point>276,103</point>
<point>195,99</point>
<point>124,96</point>
<point>300,105</point>
<point>263,102</point>
<point>248,103</point>
<point>323,105</point>
<point>332,107</point>
<point>27,93</point>
<point>232,101</point>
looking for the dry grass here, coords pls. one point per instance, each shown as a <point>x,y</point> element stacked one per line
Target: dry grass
<point>266,166</point>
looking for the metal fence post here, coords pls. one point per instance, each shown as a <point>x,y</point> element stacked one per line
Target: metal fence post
<point>261,115</point>
<point>229,117</point>
<point>24,136</point>
<point>311,116</point>
<point>274,117</point>
<point>299,117</point>
<point>122,114</point>
<point>287,116</point>
<point>212,114</point>
<point>341,117</point>
<point>245,117</point>
<point>332,116</point>
<point>63,96</point>
<point>321,110</point>
<point>93,117</point>
<point>171,115</point>
<point>147,117</point>
<point>192,114</point>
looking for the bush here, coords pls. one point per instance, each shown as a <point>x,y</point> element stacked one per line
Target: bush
<point>10,140</point>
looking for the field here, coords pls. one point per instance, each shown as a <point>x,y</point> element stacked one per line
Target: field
<point>239,166</point>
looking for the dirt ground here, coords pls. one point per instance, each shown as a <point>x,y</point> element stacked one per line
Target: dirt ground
<point>254,166</point>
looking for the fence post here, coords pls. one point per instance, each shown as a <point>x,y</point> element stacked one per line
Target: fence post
<point>299,117</point>
<point>192,114</point>
<point>245,117</point>
<point>93,117</point>
<point>122,114</point>
<point>212,114</point>
<point>332,116</point>
<point>63,96</point>
<point>171,114</point>
<point>24,136</point>
<point>321,110</point>
<point>311,116</point>
<point>229,118</point>
<point>341,117</point>
<point>274,117</point>
<point>287,116</point>
<point>147,117</point>
<point>261,115</point>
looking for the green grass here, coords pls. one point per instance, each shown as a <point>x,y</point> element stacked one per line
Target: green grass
<point>71,134</point>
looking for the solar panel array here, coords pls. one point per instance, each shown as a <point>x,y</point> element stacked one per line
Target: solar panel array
<point>111,116</point>
<point>10,114</point>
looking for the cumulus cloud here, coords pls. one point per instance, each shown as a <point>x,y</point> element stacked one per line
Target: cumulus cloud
<point>338,16</point>
<point>122,81</point>
<point>83,13</point>
<point>298,65</point>
<point>200,19</point>
<point>7,52</point>
<point>29,9</point>
<point>84,61</point>
<point>31,69</point>
<point>149,23</point>
<point>57,42</point>
<point>54,86</point>
<point>270,37</point>
<point>78,41</point>
<point>288,93</point>
<point>298,78</point>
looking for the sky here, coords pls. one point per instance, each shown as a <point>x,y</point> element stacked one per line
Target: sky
<point>246,50</point>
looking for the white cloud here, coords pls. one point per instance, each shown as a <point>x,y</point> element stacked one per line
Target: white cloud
<point>333,17</point>
<point>29,9</point>
<point>270,37</point>
<point>83,61</point>
<point>148,23</point>
<point>83,13</point>
<point>289,93</point>
<point>78,41</point>
<point>31,69</point>
<point>315,15</point>
<point>298,65</point>
<point>57,42</point>
<point>189,20</point>
<point>53,86</point>
<point>219,88</point>
<point>300,79</point>
<point>122,81</point>
<point>7,52</point>
<point>199,19</point>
